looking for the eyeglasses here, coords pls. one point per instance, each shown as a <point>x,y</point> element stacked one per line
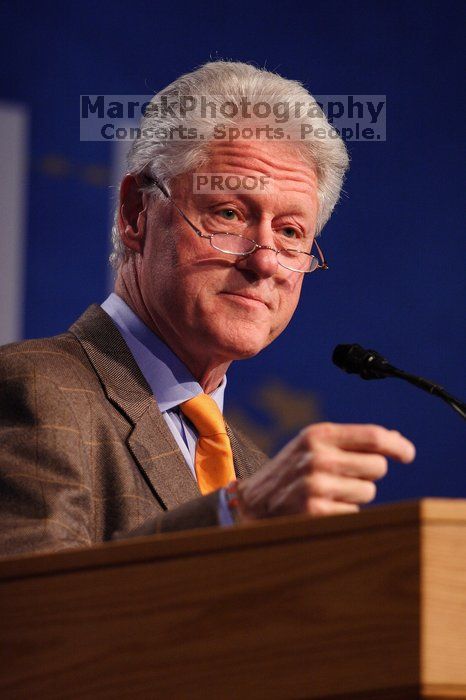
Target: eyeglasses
<point>241,246</point>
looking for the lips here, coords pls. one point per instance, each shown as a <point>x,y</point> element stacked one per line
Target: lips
<point>247,296</point>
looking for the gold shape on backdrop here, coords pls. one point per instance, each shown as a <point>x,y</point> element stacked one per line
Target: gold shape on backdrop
<point>285,408</point>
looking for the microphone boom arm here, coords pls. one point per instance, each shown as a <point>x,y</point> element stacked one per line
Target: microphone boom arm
<point>431,388</point>
<point>370,365</point>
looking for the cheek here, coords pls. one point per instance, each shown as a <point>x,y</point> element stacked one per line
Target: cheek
<point>289,298</point>
<point>291,290</point>
<point>160,261</point>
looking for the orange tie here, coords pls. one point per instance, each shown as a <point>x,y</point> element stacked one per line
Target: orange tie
<point>214,458</point>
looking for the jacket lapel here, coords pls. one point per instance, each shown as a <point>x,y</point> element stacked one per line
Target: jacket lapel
<point>150,441</point>
<point>246,457</point>
<point>160,459</point>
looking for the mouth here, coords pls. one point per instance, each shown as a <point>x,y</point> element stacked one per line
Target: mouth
<point>247,299</point>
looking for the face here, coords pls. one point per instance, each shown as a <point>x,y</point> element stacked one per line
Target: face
<point>211,307</point>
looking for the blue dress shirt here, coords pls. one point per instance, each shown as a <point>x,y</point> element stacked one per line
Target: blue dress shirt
<point>170,381</point>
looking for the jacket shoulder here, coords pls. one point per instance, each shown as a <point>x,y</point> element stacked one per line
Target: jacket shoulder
<point>58,359</point>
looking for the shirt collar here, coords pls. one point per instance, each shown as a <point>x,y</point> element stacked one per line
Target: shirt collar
<point>170,381</point>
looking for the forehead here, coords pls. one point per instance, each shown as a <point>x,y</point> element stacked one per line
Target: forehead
<point>280,163</point>
<point>289,179</point>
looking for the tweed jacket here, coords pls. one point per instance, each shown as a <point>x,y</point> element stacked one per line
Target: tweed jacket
<point>84,450</point>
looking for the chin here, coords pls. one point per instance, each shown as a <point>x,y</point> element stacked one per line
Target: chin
<point>231,337</point>
<point>242,345</point>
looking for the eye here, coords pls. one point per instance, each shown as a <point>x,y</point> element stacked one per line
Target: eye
<point>228,214</point>
<point>291,233</point>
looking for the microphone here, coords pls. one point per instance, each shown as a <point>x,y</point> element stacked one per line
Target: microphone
<point>356,360</point>
<point>369,364</point>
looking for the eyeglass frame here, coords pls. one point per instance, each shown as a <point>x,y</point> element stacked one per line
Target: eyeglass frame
<point>323,265</point>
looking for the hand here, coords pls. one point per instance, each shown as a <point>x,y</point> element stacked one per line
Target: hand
<point>327,469</point>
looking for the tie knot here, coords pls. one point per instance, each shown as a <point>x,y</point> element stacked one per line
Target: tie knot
<point>204,414</point>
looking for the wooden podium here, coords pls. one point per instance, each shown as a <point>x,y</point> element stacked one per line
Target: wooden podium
<point>367,606</point>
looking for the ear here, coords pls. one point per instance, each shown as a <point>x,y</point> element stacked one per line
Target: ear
<point>132,214</point>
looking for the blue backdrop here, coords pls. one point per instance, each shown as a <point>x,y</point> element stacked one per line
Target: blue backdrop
<point>395,243</point>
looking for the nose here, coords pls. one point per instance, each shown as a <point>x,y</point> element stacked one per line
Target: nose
<point>263,261</point>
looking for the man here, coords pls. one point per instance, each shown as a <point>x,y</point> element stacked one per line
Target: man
<point>116,425</point>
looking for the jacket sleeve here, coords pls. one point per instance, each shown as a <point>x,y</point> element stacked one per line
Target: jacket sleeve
<point>45,484</point>
<point>197,513</point>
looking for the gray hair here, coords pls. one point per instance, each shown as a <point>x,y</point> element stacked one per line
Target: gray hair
<point>230,83</point>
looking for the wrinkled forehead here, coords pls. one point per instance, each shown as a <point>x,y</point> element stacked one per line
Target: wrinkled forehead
<point>280,164</point>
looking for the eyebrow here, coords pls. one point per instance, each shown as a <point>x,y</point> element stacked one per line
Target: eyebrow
<point>248,199</point>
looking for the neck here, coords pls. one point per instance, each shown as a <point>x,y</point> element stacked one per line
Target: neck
<point>211,377</point>
<point>206,370</point>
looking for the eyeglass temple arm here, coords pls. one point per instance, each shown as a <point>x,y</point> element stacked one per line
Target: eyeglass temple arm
<point>164,191</point>
<point>323,262</point>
